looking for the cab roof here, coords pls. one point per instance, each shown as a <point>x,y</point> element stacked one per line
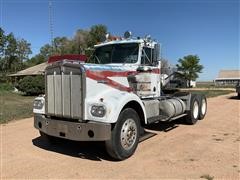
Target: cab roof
<point>119,42</point>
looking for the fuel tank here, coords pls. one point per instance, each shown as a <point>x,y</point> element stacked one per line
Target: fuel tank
<point>172,107</point>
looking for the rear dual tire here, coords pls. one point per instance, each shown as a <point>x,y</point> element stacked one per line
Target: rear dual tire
<point>203,106</point>
<point>193,113</point>
<point>198,109</point>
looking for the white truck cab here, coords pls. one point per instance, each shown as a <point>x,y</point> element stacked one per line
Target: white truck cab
<point>111,96</point>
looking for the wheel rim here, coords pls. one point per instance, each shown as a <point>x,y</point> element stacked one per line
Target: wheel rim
<point>204,106</point>
<point>195,110</point>
<point>128,134</point>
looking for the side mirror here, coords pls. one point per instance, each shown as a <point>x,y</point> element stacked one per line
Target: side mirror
<point>156,53</point>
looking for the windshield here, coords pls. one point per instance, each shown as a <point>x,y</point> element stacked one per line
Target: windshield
<point>116,53</point>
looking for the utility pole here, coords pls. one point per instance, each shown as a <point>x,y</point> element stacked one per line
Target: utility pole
<point>50,15</point>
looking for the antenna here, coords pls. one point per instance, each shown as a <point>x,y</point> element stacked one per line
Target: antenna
<point>50,15</point>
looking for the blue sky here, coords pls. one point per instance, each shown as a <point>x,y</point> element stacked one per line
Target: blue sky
<point>208,28</point>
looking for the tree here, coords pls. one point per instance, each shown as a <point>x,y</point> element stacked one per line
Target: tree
<point>79,42</point>
<point>13,52</point>
<point>23,50</point>
<point>190,68</point>
<point>96,33</point>
<point>60,45</point>
<point>37,59</point>
<point>31,85</point>
<point>165,67</point>
<point>2,42</point>
<point>10,53</point>
<point>46,51</point>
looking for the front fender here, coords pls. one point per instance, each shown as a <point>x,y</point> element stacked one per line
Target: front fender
<point>114,101</point>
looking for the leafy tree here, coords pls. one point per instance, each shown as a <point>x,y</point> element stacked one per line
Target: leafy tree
<point>46,51</point>
<point>96,33</point>
<point>79,42</point>
<point>37,59</point>
<point>23,50</point>
<point>31,85</point>
<point>165,67</point>
<point>190,68</point>
<point>10,52</point>
<point>61,45</point>
<point>13,53</point>
<point>2,42</point>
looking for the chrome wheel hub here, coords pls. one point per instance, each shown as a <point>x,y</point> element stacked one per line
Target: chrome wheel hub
<point>128,134</point>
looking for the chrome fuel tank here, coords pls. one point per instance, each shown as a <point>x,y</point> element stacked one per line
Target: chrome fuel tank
<point>172,107</point>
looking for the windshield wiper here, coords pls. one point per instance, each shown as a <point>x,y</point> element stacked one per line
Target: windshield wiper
<point>130,55</point>
<point>99,62</point>
<point>92,57</point>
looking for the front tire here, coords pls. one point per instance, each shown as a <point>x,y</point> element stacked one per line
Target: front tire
<point>124,136</point>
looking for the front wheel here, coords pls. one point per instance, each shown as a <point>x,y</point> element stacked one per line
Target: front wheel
<point>124,136</point>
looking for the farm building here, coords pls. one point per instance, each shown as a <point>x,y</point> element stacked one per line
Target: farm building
<point>32,71</point>
<point>40,68</point>
<point>227,77</point>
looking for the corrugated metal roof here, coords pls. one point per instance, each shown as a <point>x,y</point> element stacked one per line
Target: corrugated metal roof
<point>35,70</point>
<point>228,74</point>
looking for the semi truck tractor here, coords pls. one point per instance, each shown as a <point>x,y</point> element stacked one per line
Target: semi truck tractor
<point>111,97</point>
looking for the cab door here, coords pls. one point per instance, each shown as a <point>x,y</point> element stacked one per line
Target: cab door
<point>148,78</point>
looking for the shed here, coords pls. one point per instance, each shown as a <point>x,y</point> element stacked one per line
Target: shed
<point>32,71</point>
<point>228,77</point>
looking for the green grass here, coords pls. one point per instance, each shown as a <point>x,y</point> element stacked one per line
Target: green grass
<point>210,84</point>
<point>14,106</point>
<point>212,93</point>
<point>207,84</point>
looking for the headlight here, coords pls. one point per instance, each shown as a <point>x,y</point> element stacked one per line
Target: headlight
<point>38,104</point>
<point>98,111</point>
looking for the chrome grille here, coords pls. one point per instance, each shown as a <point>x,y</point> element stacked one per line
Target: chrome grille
<point>64,91</point>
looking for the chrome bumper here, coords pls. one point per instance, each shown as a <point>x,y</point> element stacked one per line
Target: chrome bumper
<point>90,131</point>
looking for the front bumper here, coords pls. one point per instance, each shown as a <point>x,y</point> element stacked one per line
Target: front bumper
<point>90,131</point>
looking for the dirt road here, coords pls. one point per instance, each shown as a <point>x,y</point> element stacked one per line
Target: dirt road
<point>211,147</point>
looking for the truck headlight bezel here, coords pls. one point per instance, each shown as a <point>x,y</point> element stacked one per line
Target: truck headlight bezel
<point>98,110</point>
<point>38,104</point>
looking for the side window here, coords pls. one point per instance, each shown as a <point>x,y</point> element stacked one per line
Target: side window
<point>147,56</point>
